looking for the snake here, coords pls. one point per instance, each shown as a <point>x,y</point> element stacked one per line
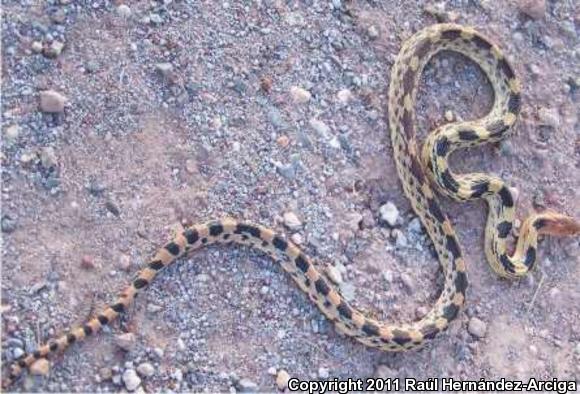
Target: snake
<point>421,172</point>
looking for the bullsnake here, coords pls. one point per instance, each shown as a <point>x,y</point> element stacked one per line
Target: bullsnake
<point>416,171</point>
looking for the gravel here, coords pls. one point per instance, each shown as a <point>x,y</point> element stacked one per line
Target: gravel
<point>216,132</point>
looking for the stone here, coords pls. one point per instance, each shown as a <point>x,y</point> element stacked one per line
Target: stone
<point>54,49</point>
<point>48,157</point>
<point>52,101</point>
<point>131,379</point>
<point>535,9</point>
<point>282,379</point>
<point>389,213</point>
<point>40,367</point>
<point>344,96</point>
<point>321,128</point>
<point>8,224</point>
<point>106,373</point>
<point>323,373</point>
<point>477,327</point>
<point>334,274</point>
<point>87,262</point>
<point>373,32</point>
<point>385,372</point>
<point>36,46</point>
<point>11,133</point>
<point>299,95</point>
<point>165,69</point>
<point>124,11</point>
<point>246,386</point>
<point>291,221</point>
<point>549,117</point>
<point>126,341</point>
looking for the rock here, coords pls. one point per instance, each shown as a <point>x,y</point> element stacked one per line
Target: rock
<point>299,95</point>
<point>165,69</point>
<point>291,221</point>
<point>348,291</point>
<point>373,32</point>
<point>283,141</point>
<point>106,373</point>
<point>297,238</point>
<point>17,353</point>
<point>321,128</point>
<point>389,213</point>
<point>126,341</point>
<point>385,372</point>
<point>11,133</point>
<point>408,281</point>
<point>246,386</point>
<point>549,117</point>
<point>124,11</point>
<point>477,327</point>
<point>36,46</point>
<point>191,166</point>
<point>51,101</point>
<point>334,274</point>
<point>400,238</point>
<point>535,9</point>
<point>48,157</point>
<point>266,83</point>
<point>54,49</point>
<point>40,367</point>
<point>344,96</point>
<point>282,379</point>
<point>7,224</point>
<point>323,373</point>
<point>87,262</point>
<point>131,379</point>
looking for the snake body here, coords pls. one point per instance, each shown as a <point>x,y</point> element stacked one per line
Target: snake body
<point>416,170</point>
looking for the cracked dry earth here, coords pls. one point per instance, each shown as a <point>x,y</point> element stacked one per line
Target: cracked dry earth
<point>164,113</point>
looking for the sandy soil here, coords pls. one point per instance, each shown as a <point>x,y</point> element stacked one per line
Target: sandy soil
<point>181,111</point>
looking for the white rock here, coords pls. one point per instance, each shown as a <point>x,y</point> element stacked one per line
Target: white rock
<point>291,221</point>
<point>477,327</point>
<point>535,9</point>
<point>334,274</point>
<point>299,95</point>
<point>373,31</point>
<point>124,11</point>
<point>126,341</point>
<point>146,369</point>
<point>12,132</point>
<point>549,117</point>
<point>48,157</point>
<point>323,373</point>
<point>321,128</point>
<point>131,379</point>
<point>282,379</point>
<point>40,367</point>
<point>344,96</point>
<point>51,101</point>
<point>389,213</point>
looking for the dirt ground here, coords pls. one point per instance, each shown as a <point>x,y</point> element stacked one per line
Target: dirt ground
<point>183,111</point>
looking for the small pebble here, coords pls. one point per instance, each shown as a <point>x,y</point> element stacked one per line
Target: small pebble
<point>131,379</point>
<point>291,221</point>
<point>48,157</point>
<point>283,141</point>
<point>282,379</point>
<point>344,96</point>
<point>124,11</point>
<point>51,101</point>
<point>323,373</point>
<point>334,274</point>
<point>40,367</point>
<point>126,341</point>
<point>87,262</point>
<point>246,386</point>
<point>54,49</point>
<point>477,327</point>
<point>549,117</point>
<point>373,32</point>
<point>105,373</point>
<point>165,69</point>
<point>389,213</point>
<point>535,9</point>
<point>36,47</point>
<point>8,224</point>
<point>299,95</point>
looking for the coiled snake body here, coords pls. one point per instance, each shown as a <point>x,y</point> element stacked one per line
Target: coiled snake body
<point>416,171</point>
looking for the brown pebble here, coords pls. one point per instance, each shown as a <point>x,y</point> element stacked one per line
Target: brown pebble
<point>40,367</point>
<point>535,9</point>
<point>283,141</point>
<point>266,83</point>
<point>87,262</point>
